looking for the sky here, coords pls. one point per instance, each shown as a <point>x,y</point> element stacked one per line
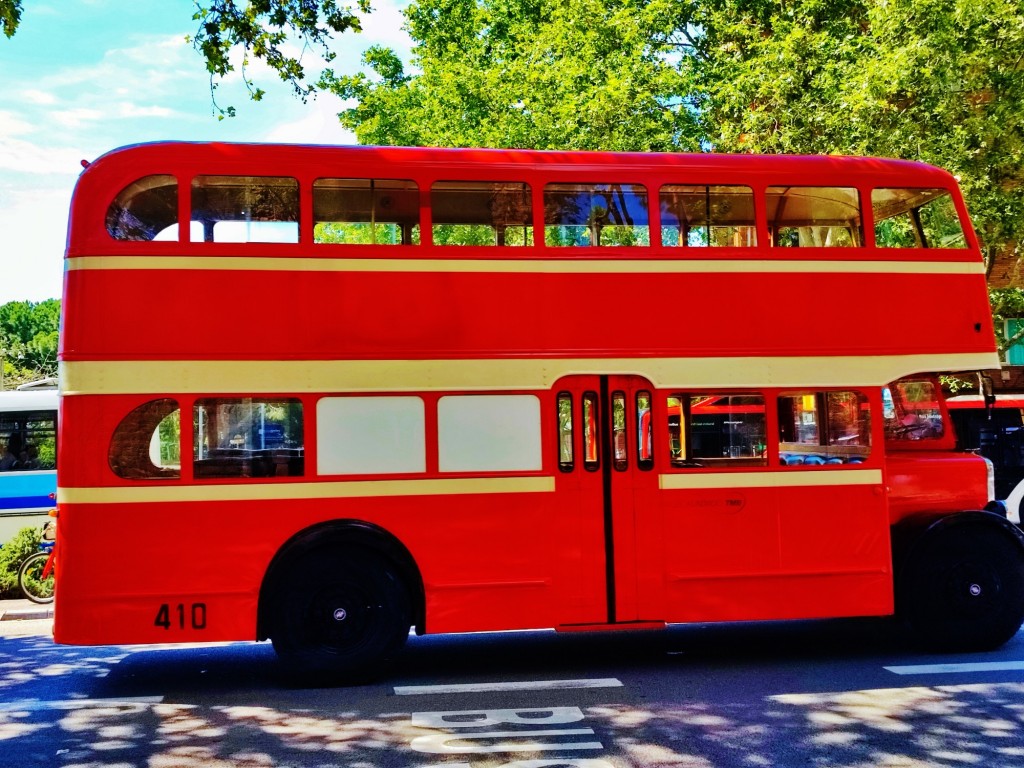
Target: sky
<point>82,77</point>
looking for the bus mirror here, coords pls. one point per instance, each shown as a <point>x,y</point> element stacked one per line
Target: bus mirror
<point>988,394</point>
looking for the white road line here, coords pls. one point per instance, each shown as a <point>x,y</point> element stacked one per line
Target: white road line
<point>526,685</point>
<point>942,669</point>
<point>34,705</point>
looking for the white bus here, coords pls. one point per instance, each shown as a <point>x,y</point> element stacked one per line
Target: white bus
<point>28,457</point>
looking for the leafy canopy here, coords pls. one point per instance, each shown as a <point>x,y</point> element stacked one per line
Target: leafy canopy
<point>935,80</point>
<point>28,340</point>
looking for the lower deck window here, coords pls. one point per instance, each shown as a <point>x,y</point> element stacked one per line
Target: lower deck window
<point>716,429</point>
<point>489,433</point>
<point>370,435</point>
<point>146,443</point>
<point>817,428</point>
<point>248,437</point>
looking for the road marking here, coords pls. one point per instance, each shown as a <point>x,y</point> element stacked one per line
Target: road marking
<point>34,705</point>
<point>525,685</point>
<point>942,669</point>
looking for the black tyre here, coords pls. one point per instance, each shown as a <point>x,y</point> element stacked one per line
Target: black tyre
<point>31,581</point>
<point>963,589</point>
<point>338,615</point>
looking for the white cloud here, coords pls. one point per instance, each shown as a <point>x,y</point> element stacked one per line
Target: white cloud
<point>128,110</point>
<point>38,159</point>
<point>318,124</point>
<point>12,125</point>
<point>76,118</point>
<point>32,260</point>
<point>384,26</point>
<point>34,96</point>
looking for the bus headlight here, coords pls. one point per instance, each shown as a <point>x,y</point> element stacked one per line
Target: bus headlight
<point>991,471</point>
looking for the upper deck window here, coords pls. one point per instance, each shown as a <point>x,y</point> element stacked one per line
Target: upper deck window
<point>595,214</point>
<point>481,213</point>
<point>916,218</point>
<point>245,209</point>
<point>366,211</point>
<point>146,209</point>
<point>707,216</point>
<point>819,217</point>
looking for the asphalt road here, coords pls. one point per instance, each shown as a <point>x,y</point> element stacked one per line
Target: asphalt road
<point>844,693</point>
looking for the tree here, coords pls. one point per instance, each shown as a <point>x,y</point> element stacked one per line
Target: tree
<point>10,16</point>
<point>28,340</point>
<point>571,74</point>
<point>933,80</point>
<point>262,28</point>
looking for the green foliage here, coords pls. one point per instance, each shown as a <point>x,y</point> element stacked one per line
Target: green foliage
<point>573,74</point>
<point>10,16</point>
<point>935,80</point>
<point>28,340</point>
<point>263,29</point>
<point>1006,303</point>
<point>12,554</point>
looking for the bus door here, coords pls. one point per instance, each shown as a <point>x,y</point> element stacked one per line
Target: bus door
<point>769,508</point>
<point>605,480</point>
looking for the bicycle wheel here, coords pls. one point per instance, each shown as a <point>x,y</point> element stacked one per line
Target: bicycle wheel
<point>30,578</point>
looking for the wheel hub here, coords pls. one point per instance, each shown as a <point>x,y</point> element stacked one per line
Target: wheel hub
<point>340,614</point>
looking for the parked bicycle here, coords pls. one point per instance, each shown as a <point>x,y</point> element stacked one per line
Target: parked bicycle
<point>37,577</point>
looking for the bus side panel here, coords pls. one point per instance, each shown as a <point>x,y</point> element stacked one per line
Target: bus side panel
<point>922,482</point>
<point>776,553</point>
<point>488,562</point>
<point>382,315</point>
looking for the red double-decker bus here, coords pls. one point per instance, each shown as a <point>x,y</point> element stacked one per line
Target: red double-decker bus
<point>326,394</point>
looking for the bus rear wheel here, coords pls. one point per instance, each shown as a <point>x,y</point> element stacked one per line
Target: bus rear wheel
<point>964,589</point>
<point>338,616</point>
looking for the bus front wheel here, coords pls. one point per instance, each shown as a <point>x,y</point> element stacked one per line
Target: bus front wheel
<point>339,616</point>
<point>963,589</point>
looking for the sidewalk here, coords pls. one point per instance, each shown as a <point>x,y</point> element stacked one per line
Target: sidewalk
<point>23,610</point>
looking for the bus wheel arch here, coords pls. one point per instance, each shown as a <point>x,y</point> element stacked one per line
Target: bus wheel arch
<point>959,580</point>
<point>337,601</point>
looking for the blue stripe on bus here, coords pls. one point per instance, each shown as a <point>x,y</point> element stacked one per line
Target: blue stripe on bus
<point>27,502</point>
<point>28,490</point>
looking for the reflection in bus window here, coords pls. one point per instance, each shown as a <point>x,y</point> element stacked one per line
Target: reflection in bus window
<point>366,212</point>
<point>817,428</point>
<point>591,460</point>
<point>912,411</point>
<point>147,443</point>
<point>595,214</point>
<point>711,429</point>
<point>644,431</point>
<point>704,216</point>
<point>916,218</point>
<point>821,217</point>
<point>246,437</point>
<point>620,450</point>
<point>481,213</point>
<point>145,210</point>
<point>566,449</point>
<point>245,209</point>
